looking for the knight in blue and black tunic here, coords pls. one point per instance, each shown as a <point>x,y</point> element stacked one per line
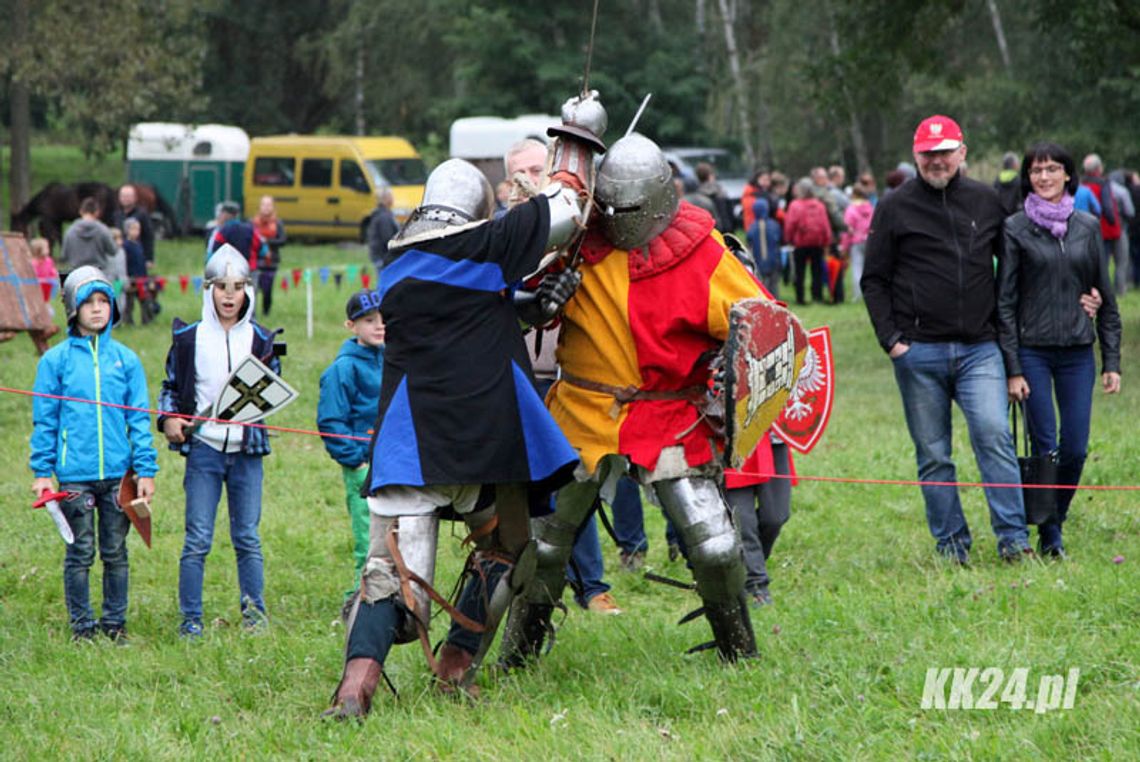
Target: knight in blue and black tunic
<point>460,429</point>
<point>458,402</point>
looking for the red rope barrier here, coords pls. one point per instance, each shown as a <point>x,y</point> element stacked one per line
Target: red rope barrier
<point>915,483</point>
<point>202,418</point>
<point>828,479</point>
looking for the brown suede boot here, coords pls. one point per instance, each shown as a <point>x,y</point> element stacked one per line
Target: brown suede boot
<point>451,666</point>
<point>353,698</point>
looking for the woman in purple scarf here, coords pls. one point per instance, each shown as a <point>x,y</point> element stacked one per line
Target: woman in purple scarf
<point>1053,258</point>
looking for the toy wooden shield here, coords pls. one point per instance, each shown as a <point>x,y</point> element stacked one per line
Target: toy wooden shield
<point>805,417</point>
<point>22,306</point>
<point>137,508</point>
<point>763,357</point>
<point>252,392</point>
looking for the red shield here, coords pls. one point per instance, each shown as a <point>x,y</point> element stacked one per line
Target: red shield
<point>763,356</point>
<point>805,417</point>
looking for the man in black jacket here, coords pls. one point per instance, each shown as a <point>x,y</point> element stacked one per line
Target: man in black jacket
<point>929,287</point>
<point>382,227</point>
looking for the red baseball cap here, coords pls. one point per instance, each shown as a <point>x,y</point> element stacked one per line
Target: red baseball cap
<point>937,133</point>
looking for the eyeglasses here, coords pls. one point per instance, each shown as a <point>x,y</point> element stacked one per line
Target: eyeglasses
<point>231,286</point>
<point>1048,169</point>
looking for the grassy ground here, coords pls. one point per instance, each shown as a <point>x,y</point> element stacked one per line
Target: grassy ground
<point>862,609</point>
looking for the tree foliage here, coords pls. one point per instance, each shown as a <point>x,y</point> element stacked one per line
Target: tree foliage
<point>98,72</point>
<point>816,73</point>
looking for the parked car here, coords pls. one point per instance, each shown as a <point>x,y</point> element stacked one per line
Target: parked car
<point>730,171</point>
<point>325,186</point>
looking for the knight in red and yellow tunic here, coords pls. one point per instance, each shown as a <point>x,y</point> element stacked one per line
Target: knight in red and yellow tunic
<point>647,322</point>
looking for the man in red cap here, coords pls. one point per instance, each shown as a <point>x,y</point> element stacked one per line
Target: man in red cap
<point>928,284</point>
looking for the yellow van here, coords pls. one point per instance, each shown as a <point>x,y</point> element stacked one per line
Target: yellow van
<point>325,186</point>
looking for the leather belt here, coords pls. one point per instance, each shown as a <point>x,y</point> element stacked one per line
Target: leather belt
<point>624,394</point>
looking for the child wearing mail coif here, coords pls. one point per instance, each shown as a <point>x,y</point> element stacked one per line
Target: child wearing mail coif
<point>200,361</point>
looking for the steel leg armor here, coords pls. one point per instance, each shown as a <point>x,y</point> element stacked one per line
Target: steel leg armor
<point>703,519</point>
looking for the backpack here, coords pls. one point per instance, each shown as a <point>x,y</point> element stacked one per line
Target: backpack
<point>1109,212</point>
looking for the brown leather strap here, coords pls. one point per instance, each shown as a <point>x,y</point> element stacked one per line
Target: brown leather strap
<point>480,532</point>
<point>624,394</point>
<point>407,577</point>
<point>409,596</point>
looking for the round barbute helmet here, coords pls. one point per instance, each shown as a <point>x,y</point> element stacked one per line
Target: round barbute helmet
<point>226,262</point>
<point>635,192</point>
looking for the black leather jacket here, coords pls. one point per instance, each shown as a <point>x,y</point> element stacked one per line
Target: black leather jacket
<point>1040,282</point>
<point>929,272</point>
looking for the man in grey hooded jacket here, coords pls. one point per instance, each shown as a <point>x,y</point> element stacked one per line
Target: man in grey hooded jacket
<point>88,241</point>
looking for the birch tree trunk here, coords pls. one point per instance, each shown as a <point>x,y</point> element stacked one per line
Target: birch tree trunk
<point>857,140</point>
<point>738,84</point>
<point>20,114</point>
<point>999,32</point>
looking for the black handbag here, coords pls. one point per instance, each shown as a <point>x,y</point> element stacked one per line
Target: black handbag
<point>1040,504</point>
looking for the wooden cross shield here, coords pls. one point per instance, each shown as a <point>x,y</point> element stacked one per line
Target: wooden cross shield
<point>763,356</point>
<point>251,393</point>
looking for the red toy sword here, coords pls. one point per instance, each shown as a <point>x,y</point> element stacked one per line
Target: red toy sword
<point>50,501</point>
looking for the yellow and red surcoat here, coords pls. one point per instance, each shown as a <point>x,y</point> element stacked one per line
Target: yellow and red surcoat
<point>650,323</point>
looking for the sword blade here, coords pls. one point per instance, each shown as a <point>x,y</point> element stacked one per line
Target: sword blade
<point>637,116</point>
<point>60,520</point>
<point>590,51</point>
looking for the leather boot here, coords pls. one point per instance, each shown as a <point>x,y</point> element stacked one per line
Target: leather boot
<point>451,666</point>
<point>732,630</point>
<point>353,698</point>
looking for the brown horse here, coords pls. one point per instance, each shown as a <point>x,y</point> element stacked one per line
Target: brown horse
<point>57,204</point>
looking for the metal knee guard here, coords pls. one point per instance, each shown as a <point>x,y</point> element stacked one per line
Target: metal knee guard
<point>703,519</point>
<point>554,539</point>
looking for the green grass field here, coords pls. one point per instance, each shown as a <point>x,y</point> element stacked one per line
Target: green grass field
<point>862,608</point>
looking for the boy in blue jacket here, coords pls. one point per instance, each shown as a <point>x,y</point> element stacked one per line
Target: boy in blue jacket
<point>350,394</point>
<point>201,358</point>
<point>89,447</point>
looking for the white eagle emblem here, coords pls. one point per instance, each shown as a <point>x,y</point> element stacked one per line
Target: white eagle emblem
<point>811,379</point>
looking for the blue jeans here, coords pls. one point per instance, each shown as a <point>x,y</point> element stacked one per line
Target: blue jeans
<point>930,376</point>
<point>112,540</point>
<point>206,471</point>
<point>1069,375</point>
<point>629,521</point>
<point>587,556</point>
